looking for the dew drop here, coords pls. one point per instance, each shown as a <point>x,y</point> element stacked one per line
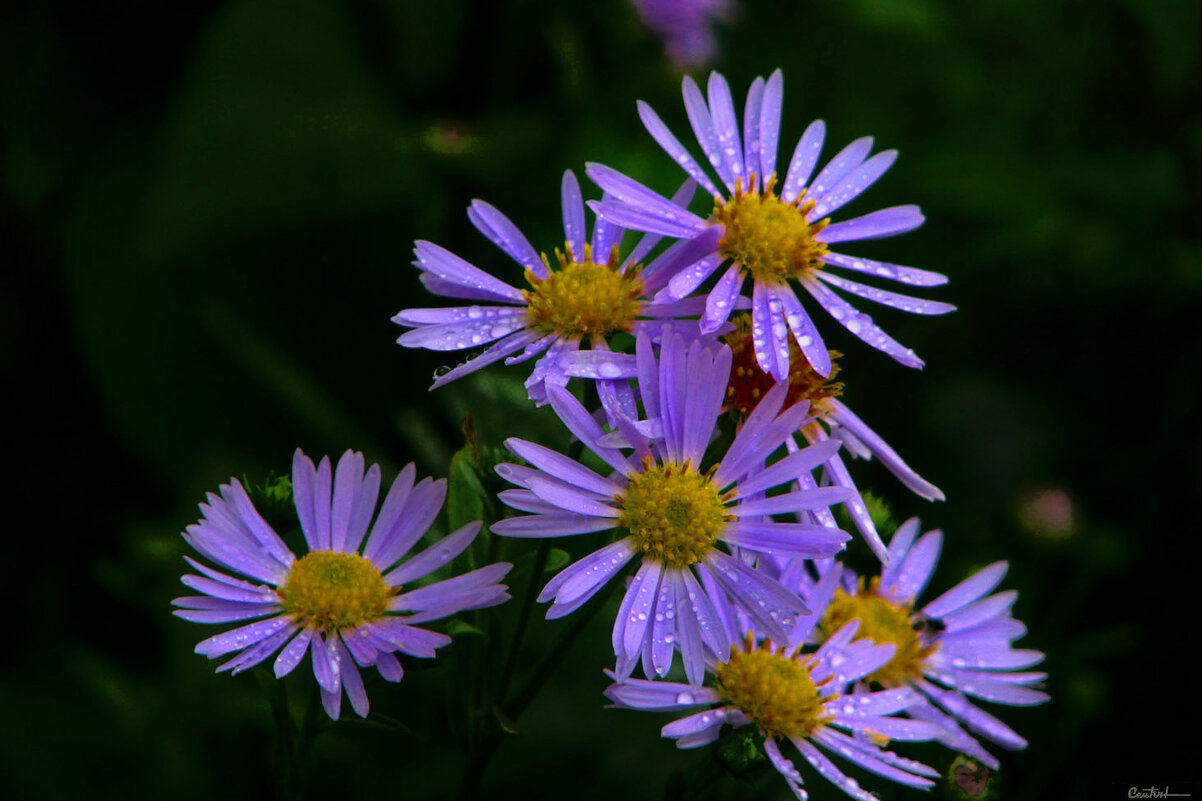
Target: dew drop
<point>684,698</point>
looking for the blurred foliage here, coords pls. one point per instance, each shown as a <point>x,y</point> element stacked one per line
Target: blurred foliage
<point>209,210</point>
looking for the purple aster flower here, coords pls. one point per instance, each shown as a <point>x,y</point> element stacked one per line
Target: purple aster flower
<point>961,640</point>
<point>685,27</point>
<point>800,699</point>
<point>342,602</point>
<point>782,241</point>
<point>590,295</point>
<point>831,419</point>
<point>672,512</point>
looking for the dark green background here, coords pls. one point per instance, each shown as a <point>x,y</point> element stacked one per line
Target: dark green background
<point>208,218</point>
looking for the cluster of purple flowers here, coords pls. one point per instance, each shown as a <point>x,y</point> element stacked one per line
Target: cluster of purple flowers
<point>727,546</point>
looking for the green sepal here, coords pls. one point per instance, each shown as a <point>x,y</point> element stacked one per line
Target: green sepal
<point>969,780</point>
<point>740,751</point>
<point>457,627</point>
<point>273,500</point>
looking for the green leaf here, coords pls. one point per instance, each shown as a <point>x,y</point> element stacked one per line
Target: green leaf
<point>466,497</point>
<point>555,560</point>
<point>458,628</point>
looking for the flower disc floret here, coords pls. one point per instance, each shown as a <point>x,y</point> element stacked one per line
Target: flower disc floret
<point>583,298</point>
<point>882,621</point>
<point>773,690</point>
<point>674,514</point>
<point>331,590</point>
<point>769,236</point>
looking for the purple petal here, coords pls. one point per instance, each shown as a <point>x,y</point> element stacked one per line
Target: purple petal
<point>869,758</point>
<point>837,472</point>
<point>787,539</point>
<point>457,314</point>
<point>348,477</point>
<point>990,689</point>
<point>550,525</point>
<point>635,196</point>
<point>900,545</point>
<point>450,268</point>
<point>876,225</point>
<point>438,286</point>
<point>893,299</point>
<point>804,332</point>
<point>773,608</point>
<point>861,325</point>
<point>708,722</point>
<point>460,335</point>
<point>852,185</point>
<point>785,768</point>
<point>598,364</point>
<point>258,652</point>
<point>688,279</point>
<point>578,582</point>
<point>703,129</point>
<point>906,580</point>
<point>977,719</point>
<point>726,128</point>
<point>790,467</point>
<point>981,611</point>
<point>505,235</point>
<point>326,667</point>
<point>242,637</point>
<point>644,590</point>
<point>668,141</point>
<point>968,591</point>
<point>689,636</point>
<point>573,217</point>
<point>659,696</point>
<point>722,299</point>
<point>805,157</point>
<point>390,512</point>
<point>769,127</point>
<point>351,679</point>
<point>421,508</point>
<point>229,612</point>
<point>894,272</point>
<point>585,428</point>
<point>770,334</point>
<point>751,132</point>
<point>562,467</point>
<point>882,451</point>
<point>829,772</point>
<point>710,373</point>
<point>311,489</point>
<point>846,160</point>
<point>293,653</point>
<point>494,353</point>
<point>453,592</point>
<point>692,256</point>
<point>434,556</point>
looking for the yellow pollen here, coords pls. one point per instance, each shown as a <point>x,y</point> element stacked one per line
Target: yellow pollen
<point>673,513</point>
<point>331,590</point>
<point>583,298</point>
<point>773,690</point>
<point>882,621</point>
<point>768,236</point>
<point>748,382</point>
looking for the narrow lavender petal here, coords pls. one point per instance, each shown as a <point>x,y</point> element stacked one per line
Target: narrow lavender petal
<point>846,160</point>
<point>983,657</point>
<point>597,364</point>
<point>752,450</point>
<point>685,281</point>
<point>447,266</point>
<point>760,418</point>
<point>857,660</point>
<point>709,620</point>
<point>348,477</point>
<point>448,289</point>
<point>668,141</point>
<point>405,638</point>
<point>660,646</point>
<point>457,314</point>
<point>660,696</point>
<point>827,769</point>
<point>876,704</point>
<point>562,467</point>
<point>642,608</point>
<point>585,429</point>
<point>326,667</point>
<point>990,689</point>
<point>894,272</point>
<point>255,525</point>
<point>364,506</point>
<point>891,727</point>
<point>793,502</point>
<point>881,450</point>
<point>851,185</point>
<point>688,627</point>
<point>682,198</point>
<point>389,667</point>
<point>786,539</point>
<point>818,598</point>
<point>534,346</point>
<point>968,591</point>
<point>905,581</point>
<point>449,592</point>
<point>360,646</point>
<point>523,475</point>
<point>728,631</point>
<point>769,332</point>
<point>550,525</point>
<point>790,467</point>
<point>899,546</point>
<point>634,195</point>
<point>785,768</point>
<point>257,653</point>
<point>893,299</point>
<point>875,225</point>
<point>861,324</point>
<point>977,719</point>
<point>726,127</point>
<point>222,577</point>
<point>526,501</point>
<point>235,553</point>
<point>710,373</point>
<point>954,737</point>
<point>423,506</point>
<point>674,385</point>
<point>308,499</point>
<point>998,630</point>
<point>208,603</point>
<point>351,680</point>
<point>292,653</point>
<point>505,235</point>
<point>868,757</point>
<point>648,378</point>
<point>703,129</point>
<point>390,512</point>
<point>331,702</point>
<point>479,598</point>
<point>434,556</point>
<point>706,720</point>
<point>625,665</point>
<point>770,112</point>
<point>804,331</point>
<point>574,225</point>
<point>548,370</point>
<point>570,498</point>
<point>242,637</point>
<point>839,475</point>
<point>497,351</point>
<point>981,611</point>
<point>805,157</point>
<point>251,594</point>
<point>232,614</point>
<point>773,608</point>
<point>722,299</point>
<point>691,256</point>
<point>581,580</point>
<point>460,335</point>
<point>822,517</point>
<point>751,131</point>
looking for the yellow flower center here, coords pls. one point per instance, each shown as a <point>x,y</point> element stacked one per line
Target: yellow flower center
<point>673,513</point>
<point>748,382</point>
<point>768,236</point>
<point>882,621</point>
<point>331,590</point>
<point>583,298</point>
<point>773,690</point>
